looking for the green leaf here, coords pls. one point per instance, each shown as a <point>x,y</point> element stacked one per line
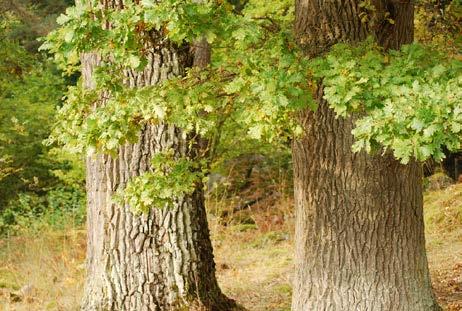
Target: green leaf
<point>148,3</point>
<point>134,61</point>
<point>69,35</point>
<point>255,132</point>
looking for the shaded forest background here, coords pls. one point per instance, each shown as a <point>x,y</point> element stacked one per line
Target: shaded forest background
<point>36,179</point>
<point>42,187</point>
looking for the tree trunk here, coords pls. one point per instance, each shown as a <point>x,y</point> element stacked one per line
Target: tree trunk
<point>360,241</point>
<point>162,260</point>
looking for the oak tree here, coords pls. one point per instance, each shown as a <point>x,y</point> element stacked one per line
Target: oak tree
<point>360,235</point>
<point>161,259</point>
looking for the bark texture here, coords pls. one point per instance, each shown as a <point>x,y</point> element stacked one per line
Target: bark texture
<point>162,260</point>
<point>360,241</point>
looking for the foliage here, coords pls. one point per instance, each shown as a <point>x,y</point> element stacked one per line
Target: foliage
<point>252,97</point>
<point>33,179</point>
<point>255,92</point>
<point>439,24</point>
<point>407,101</point>
<point>34,18</point>
<point>69,169</point>
<point>169,178</point>
<point>29,92</point>
<point>61,206</point>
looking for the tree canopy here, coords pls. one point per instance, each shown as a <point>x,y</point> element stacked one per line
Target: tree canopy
<point>405,101</point>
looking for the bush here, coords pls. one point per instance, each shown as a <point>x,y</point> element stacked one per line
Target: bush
<point>58,208</point>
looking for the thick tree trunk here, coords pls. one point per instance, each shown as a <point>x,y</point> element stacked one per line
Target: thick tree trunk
<point>162,260</point>
<point>159,261</point>
<point>359,231</point>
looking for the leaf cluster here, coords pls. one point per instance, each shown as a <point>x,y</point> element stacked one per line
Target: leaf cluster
<point>406,101</point>
<point>169,179</point>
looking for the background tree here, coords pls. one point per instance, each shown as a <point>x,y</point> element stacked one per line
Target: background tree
<point>32,175</point>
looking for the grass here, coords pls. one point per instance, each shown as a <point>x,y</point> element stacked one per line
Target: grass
<point>45,271</point>
<point>255,269</point>
<point>254,261</point>
<point>443,224</point>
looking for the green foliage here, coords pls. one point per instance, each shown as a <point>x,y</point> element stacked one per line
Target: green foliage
<point>60,207</point>
<point>36,184</point>
<point>169,178</point>
<point>29,92</point>
<point>256,79</point>
<point>70,169</point>
<point>255,82</point>
<point>407,101</point>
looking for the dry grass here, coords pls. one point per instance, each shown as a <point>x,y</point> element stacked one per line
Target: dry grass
<point>443,221</point>
<point>44,271</point>
<point>254,263</point>
<point>254,260</point>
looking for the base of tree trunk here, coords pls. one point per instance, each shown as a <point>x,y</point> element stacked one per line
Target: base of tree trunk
<point>221,303</point>
<point>359,237</point>
<point>162,260</point>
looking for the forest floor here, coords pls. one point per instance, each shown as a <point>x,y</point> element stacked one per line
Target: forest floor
<point>253,250</point>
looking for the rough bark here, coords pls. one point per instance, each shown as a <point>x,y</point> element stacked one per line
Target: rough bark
<point>162,260</point>
<point>202,53</point>
<point>359,231</point>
